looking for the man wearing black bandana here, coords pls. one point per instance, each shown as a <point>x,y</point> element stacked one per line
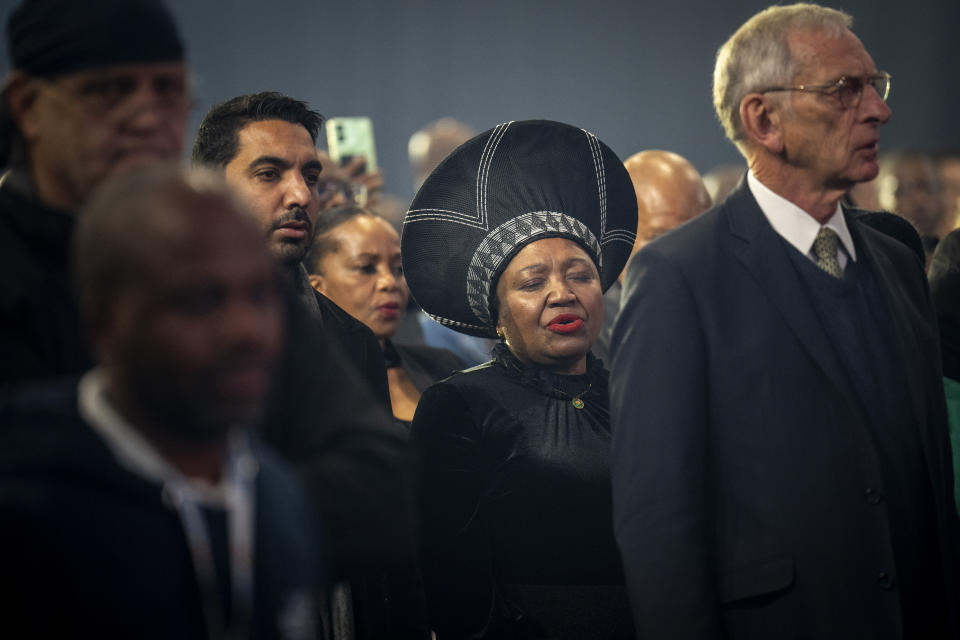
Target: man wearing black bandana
<point>97,87</point>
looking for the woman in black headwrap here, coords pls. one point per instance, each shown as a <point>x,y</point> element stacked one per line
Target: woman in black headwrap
<point>516,235</point>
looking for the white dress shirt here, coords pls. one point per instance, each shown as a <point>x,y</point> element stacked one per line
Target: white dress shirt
<point>798,227</point>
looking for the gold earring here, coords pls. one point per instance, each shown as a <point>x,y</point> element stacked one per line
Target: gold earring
<point>500,333</point>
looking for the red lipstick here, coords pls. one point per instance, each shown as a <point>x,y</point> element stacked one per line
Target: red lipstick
<point>565,323</point>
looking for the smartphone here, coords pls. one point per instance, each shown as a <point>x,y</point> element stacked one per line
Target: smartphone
<point>351,137</point>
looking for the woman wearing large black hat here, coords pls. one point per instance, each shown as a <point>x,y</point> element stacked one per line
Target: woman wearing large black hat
<point>516,235</point>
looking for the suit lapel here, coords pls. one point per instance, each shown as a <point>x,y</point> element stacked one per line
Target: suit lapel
<point>764,254</point>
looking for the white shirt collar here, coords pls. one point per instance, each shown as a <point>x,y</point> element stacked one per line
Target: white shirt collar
<point>795,225</point>
<point>131,450</point>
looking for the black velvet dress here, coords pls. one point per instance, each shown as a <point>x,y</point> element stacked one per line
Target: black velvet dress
<point>517,515</point>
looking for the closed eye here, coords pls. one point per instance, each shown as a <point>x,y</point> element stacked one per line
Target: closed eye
<point>529,285</point>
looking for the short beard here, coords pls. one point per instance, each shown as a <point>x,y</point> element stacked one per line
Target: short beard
<point>291,253</point>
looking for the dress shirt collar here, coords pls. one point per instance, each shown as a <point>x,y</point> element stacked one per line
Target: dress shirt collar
<point>131,450</point>
<point>798,227</point>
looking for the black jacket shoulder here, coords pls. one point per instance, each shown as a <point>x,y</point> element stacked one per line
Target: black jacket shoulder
<point>892,225</point>
<point>357,342</point>
<point>426,365</point>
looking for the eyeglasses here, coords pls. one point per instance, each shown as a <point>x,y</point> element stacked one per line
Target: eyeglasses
<point>103,93</point>
<point>849,89</point>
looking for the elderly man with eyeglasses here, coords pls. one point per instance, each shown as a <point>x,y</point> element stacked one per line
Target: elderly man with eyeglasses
<point>781,465</point>
<point>97,87</point>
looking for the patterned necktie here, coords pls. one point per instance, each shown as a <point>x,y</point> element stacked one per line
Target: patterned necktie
<point>825,248</point>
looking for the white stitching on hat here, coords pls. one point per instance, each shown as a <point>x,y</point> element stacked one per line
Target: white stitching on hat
<point>420,215</point>
<point>614,235</point>
<point>619,235</point>
<point>601,186</point>
<point>478,220</point>
<point>481,192</point>
<point>455,323</point>
<point>485,165</point>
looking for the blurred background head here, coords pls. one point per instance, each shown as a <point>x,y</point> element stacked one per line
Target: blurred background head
<point>908,185</point>
<point>669,192</point>
<point>430,145</point>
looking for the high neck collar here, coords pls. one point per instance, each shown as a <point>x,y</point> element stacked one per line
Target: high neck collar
<point>547,381</point>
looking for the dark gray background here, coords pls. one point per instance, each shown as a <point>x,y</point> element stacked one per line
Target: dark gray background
<point>637,74</point>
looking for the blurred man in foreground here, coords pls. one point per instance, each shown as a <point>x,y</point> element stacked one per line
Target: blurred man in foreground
<point>138,504</point>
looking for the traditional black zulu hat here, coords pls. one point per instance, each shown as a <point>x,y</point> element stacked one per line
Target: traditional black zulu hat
<point>507,187</point>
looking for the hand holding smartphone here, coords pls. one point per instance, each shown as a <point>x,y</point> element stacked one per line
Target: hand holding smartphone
<point>348,138</point>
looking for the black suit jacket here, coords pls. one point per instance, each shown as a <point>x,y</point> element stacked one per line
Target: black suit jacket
<point>330,418</point>
<point>742,465</point>
<point>358,343</point>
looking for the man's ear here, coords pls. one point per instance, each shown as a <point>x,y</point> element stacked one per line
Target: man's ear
<point>762,121</point>
<point>316,281</point>
<point>22,92</point>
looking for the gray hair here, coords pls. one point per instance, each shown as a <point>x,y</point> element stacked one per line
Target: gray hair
<point>758,56</point>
